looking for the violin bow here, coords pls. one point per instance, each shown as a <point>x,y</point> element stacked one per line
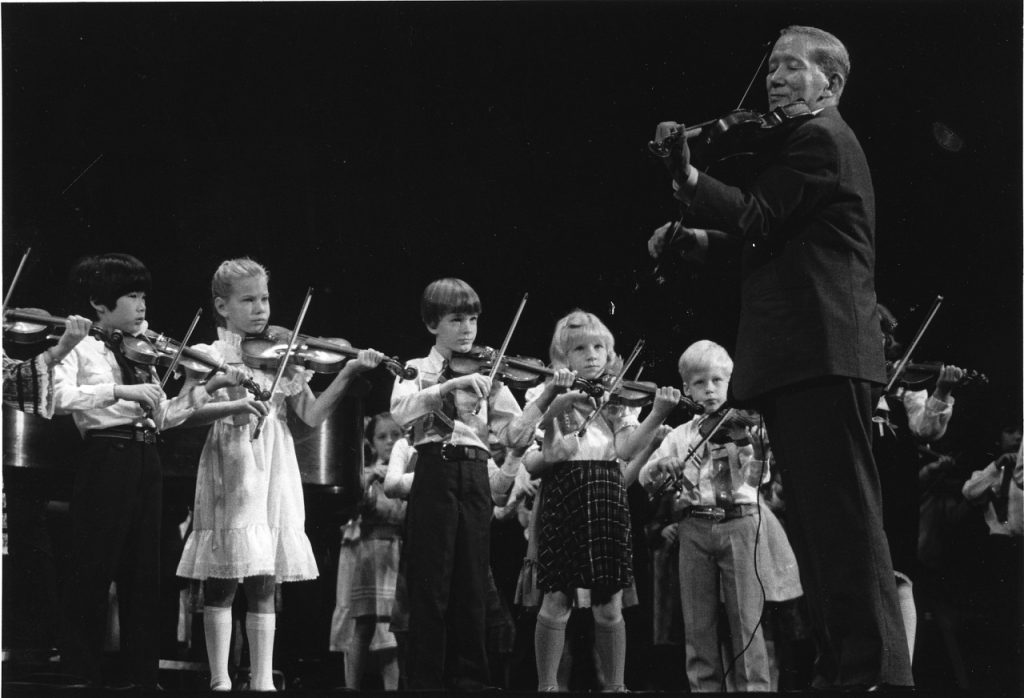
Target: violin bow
<point>903,362</point>
<point>753,78</point>
<point>663,152</point>
<point>615,386</point>
<point>504,345</point>
<point>14,281</point>
<point>181,347</point>
<point>508,338</point>
<point>671,480</point>
<point>284,357</point>
<point>664,149</point>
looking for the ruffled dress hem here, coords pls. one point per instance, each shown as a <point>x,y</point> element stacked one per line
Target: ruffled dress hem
<point>285,554</point>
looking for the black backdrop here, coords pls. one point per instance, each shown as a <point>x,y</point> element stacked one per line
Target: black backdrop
<point>365,149</point>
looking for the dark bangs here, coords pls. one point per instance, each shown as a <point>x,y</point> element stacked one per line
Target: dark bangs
<point>105,278</point>
<point>446,296</point>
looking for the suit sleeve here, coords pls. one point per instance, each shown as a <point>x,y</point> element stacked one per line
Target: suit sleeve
<point>805,173</point>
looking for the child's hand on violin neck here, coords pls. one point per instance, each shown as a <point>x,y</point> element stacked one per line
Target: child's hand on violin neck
<point>366,360</point>
<point>665,400</point>
<point>76,329</point>
<point>562,379</point>
<point>230,377</point>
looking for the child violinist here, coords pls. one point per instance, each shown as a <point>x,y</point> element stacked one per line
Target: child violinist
<point>368,567</point>
<point>249,515</point>
<point>28,384</point>
<point>446,551</point>
<point>718,529</point>
<point>116,507</point>
<point>585,539</point>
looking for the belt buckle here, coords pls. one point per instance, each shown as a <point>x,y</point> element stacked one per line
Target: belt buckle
<point>147,437</point>
<point>448,451</point>
<point>714,514</point>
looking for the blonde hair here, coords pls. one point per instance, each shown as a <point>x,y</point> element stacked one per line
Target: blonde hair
<point>703,355</point>
<point>227,274</point>
<point>578,324</point>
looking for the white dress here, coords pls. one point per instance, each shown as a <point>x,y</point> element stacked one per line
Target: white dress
<point>249,516</point>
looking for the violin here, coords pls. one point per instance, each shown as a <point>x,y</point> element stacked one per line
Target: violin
<point>639,393</point>
<point>30,325</point>
<point>916,374</point>
<point>155,349</point>
<point>320,355</point>
<point>519,372</point>
<point>713,428</point>
<point>736,132</point>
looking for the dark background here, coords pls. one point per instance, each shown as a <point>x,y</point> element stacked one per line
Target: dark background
<point>366,149</point>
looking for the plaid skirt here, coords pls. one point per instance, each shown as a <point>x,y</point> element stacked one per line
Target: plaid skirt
<point>585,537</point>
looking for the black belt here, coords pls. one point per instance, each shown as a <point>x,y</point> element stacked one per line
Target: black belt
<point>453,452</point>
<point>127,432</point>
<point>735,511</point>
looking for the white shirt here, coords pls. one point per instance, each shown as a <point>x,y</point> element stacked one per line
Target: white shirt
<point>411,400</point>
<point>927,415</point>
<point>84,387</point>
<point>740,480</point>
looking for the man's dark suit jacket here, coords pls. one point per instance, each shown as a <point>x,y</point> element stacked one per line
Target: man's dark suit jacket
<point>806,226</point>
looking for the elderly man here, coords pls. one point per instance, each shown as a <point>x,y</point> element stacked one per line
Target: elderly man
<point>809,349</point>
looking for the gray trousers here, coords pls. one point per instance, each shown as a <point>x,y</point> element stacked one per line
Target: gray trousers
<point>716,560</point>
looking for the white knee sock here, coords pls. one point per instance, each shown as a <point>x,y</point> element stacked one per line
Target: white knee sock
<point>259,627</point>
<point>217,626</point>
<point>549,642</point>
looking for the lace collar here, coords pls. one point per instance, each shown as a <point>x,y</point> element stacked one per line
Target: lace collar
<point>232,344</point>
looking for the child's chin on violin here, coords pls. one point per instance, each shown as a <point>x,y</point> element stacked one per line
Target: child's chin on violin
<point>708,387</point>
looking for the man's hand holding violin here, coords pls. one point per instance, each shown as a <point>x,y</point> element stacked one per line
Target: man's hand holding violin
<point>673,236</point>
<point>670,145</point>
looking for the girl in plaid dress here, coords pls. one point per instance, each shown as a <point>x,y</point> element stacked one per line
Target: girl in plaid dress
<point>584,529</point>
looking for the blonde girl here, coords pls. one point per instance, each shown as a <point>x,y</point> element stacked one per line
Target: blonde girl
<point>249,515</point>
<point>585,540</point>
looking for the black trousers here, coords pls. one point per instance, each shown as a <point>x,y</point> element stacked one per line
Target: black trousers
<point>115,519</point>
<point>447,547</point>
<point>820,432</point>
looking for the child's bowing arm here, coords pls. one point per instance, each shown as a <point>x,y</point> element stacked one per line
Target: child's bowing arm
<point>522,428</point>
<point>502,410</point>
<point>193,398</point>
